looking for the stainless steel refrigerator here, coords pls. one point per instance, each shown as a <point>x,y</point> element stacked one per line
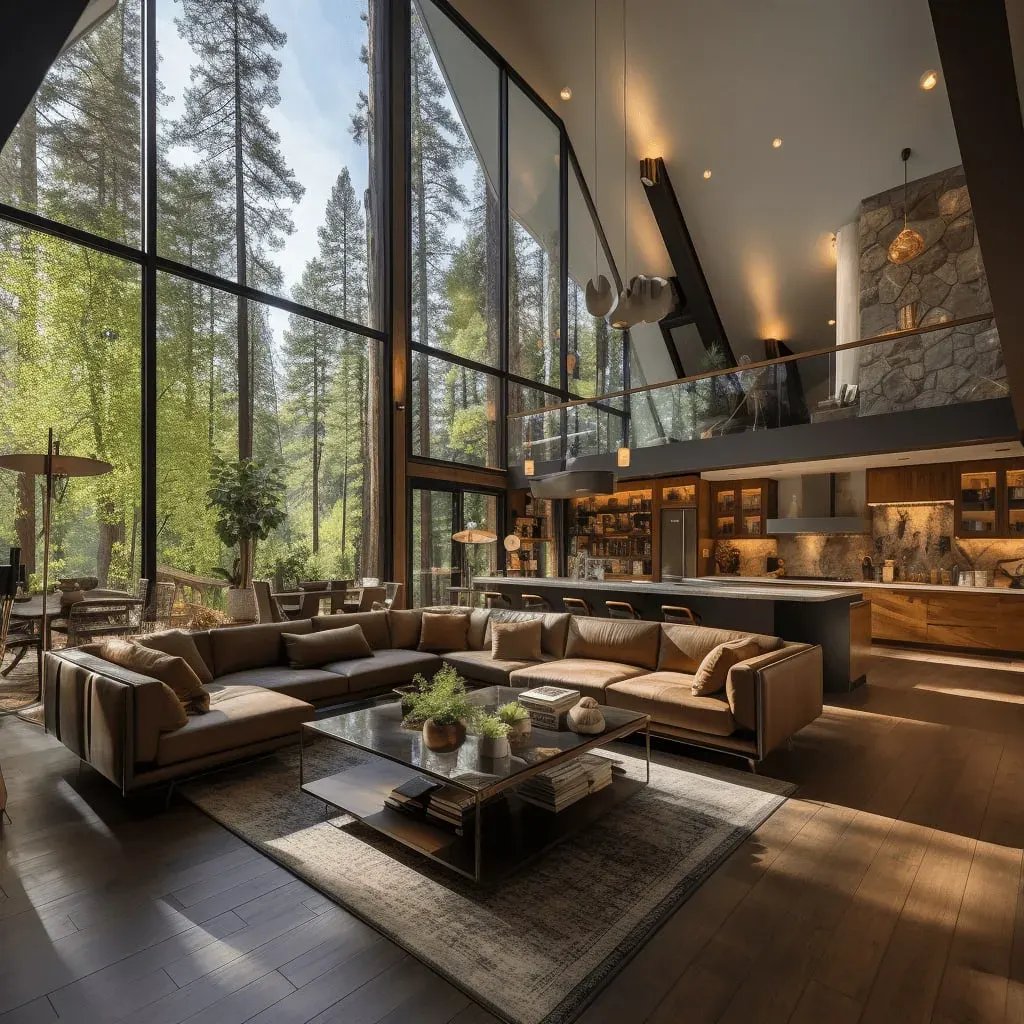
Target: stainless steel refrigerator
<point>678,544</point>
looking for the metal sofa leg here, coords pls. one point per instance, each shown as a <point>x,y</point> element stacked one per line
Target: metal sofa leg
<point>753,765</point>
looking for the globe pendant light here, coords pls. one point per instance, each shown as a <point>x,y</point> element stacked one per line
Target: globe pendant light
<point>909,243</point>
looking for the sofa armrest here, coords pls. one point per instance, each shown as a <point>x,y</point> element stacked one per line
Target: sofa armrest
<point>777,693</point>
<point>109,716</point>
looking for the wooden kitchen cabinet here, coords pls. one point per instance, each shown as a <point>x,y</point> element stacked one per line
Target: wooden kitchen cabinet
<point>742,508</point>
<point>895,484</point>
<point>990,499</point>
<point>896,615</point>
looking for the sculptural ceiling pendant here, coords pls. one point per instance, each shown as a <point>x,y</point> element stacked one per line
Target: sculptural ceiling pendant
<point>908,244</point>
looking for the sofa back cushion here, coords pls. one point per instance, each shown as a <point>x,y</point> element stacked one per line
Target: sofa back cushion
<point>311,650</point>
<point>516,641</point>
<point>373,624</point>
<point>444,631</point>
<point>236,648</point>
<point>404,626</point>
<point>553,632</point>
<point>627,642</point>
<point>179,644</point>
<point>172,671</point>
<point>684,647</point>
<point>709,679</point>
<point>478,637</point>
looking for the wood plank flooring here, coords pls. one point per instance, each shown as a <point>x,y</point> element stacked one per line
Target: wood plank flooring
<point>889,889</point>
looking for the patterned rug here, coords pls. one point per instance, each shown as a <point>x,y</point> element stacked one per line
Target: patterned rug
<point>19,689</point>
<point>538,947</point>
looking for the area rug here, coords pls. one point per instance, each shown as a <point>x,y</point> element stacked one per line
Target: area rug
<point>539,946</point>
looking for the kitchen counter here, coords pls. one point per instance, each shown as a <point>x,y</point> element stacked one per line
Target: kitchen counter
<point>937,588</point>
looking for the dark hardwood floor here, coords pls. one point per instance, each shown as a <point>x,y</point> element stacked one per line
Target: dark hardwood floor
<point>888,890</point>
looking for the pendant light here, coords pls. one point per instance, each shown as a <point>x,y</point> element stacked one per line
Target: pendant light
<point>600,295</point>
<point>909,243</point>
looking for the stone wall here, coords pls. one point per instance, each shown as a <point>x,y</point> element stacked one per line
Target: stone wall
<point>946,282</point>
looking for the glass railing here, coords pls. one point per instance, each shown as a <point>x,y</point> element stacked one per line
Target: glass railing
<point>939,364</point>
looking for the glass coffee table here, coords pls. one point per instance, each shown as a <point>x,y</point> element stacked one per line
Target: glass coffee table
<point>501,830</point>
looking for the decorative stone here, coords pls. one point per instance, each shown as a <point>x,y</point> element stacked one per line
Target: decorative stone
<point>938,315</point>
<point>933,291</point>
<point>946,272</point>
<point>877,320</point>
<point>930,260</point>
<point>873,258</point>
<point>874,220</point>
<point>911,293</point>
<point>969,266</point>
<point>959,235</point>
<point>897,388</point>
<point>951,378</point>
<point>988,341</point>
<point>968,298</point>
<point>939,353</point>
<point>924,206</point>
<point>892,281</point>
<point>955,202</point>
<point>915,372</point>
<point>586,718</point>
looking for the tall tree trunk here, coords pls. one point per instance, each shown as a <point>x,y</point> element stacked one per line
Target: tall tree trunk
<point>316,443</point>
<point>245,389</point>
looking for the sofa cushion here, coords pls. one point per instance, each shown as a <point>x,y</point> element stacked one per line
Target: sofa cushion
<point>384,669</point>
<point>712,671</point>
<point>444,631</point>
<point>312,684</point>
<point>236,648</point>
<point>667,698</point>
<point>373,624</point>
<point>626,641</point>
<point>516,641</point>
<point>478,636</point>
<point>483,667</point>
<point>554,627</point>
<point>238,716</point>
<point>312,650</point>
<point>684,647</point>
<point>179,644</point>
<point>174,672</point>
<point>404,626</point>
<point>588,675</point>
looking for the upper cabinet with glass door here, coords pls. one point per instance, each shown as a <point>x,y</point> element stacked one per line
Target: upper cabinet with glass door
<point>990,499</point>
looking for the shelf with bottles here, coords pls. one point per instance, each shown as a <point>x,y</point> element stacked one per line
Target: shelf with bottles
<point>532,522</point>
<point>741,509</point>
<point>616,528</point>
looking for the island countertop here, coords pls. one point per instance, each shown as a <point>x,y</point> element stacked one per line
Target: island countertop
<point>732,588</point>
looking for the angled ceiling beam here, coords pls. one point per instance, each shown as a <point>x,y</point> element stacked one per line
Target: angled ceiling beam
<point>697,304</point>
<point>977,61</point>
<point>33,36</point>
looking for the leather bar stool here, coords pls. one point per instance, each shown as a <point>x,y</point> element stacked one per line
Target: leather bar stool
<point>621,610</point>
<point>679,613</point>
<point>494,599</point>
<point>536,603</point>
<point>576,606</point>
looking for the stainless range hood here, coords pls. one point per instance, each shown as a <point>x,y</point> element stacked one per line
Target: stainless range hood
<point>826,503</point>
<point>573,483</point>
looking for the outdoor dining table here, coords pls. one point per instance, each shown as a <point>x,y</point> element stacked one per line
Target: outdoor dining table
<point>292,599</point>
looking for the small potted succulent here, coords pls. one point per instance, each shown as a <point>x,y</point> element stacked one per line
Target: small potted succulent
<point>493,736</point>
<point>517,718</point>
<point>444,709</point>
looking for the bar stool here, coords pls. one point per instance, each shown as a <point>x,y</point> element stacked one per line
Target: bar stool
<point>493,599</point>
<point>679,613</point>
<point>536,603</point>
<point>576,606</point>
<point>621,610</point>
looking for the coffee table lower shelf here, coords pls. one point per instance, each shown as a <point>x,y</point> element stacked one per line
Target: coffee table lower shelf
<point>512,833</point>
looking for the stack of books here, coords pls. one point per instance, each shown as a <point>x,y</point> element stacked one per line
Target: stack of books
<point>549,705</point>
<point>452,807</point>
<point>561,787</point>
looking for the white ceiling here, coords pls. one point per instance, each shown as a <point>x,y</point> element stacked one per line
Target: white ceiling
<point>709,84</point>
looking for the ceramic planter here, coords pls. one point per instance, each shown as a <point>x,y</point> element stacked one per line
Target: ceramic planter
<point>443,739</point>
<point>241,604</point>
<point>494,746</point>
<point>519,731</point>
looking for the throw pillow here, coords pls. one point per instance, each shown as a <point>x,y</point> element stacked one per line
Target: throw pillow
<point>516,641</point>
<point>173,671</point>
<point>179,644</point>
<point>311,650</point>
<point>444,631</point>
<point>712,672</point>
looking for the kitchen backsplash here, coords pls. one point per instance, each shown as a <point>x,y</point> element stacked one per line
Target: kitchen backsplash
<point>915,536</point>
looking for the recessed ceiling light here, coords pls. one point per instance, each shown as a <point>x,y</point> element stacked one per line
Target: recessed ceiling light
<point>831,323</point>
<point>566,92</point>
<point>929,80</point>
<point>707,174</point>
<point>776,143</point>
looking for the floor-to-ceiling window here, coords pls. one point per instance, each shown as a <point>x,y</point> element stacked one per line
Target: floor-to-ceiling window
<point>237,180</point>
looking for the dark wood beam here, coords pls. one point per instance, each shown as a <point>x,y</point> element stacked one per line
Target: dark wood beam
<point>977,61</point>
<point>32,34</point>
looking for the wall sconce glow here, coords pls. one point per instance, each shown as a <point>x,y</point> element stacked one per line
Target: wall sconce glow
<point>776,143</point>
<point>622,458</point>
<point>831,323</point>
<point>566,93</point>
<point>528,467</point>
<point>707,174</point>
<point>929,80</point>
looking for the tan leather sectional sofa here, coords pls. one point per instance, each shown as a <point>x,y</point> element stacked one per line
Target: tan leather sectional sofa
<point>106,714</point>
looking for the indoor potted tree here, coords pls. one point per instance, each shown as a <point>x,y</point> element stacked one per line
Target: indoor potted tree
<point>248,499</point>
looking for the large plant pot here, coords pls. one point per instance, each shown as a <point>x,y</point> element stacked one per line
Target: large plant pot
<point>443,739</point>
<point>241,604</point>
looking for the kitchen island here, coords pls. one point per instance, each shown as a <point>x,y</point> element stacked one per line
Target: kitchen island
<point>837,619</point>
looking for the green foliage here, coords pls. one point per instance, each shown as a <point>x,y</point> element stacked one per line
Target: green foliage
<point>247,499</point>
<point>444,699</point>
<point>491,726</point>
<point>512,712</point>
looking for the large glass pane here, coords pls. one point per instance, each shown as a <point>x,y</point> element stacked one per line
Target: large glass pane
<point>70,360</point>
<point>533,437</point>
<point>75,155</point>
<point>455,121</point>
<point>433,518</point>
<point>268,162</point>
<point>454,412</point>
<point>482,509</point>
<point>534,241</point>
